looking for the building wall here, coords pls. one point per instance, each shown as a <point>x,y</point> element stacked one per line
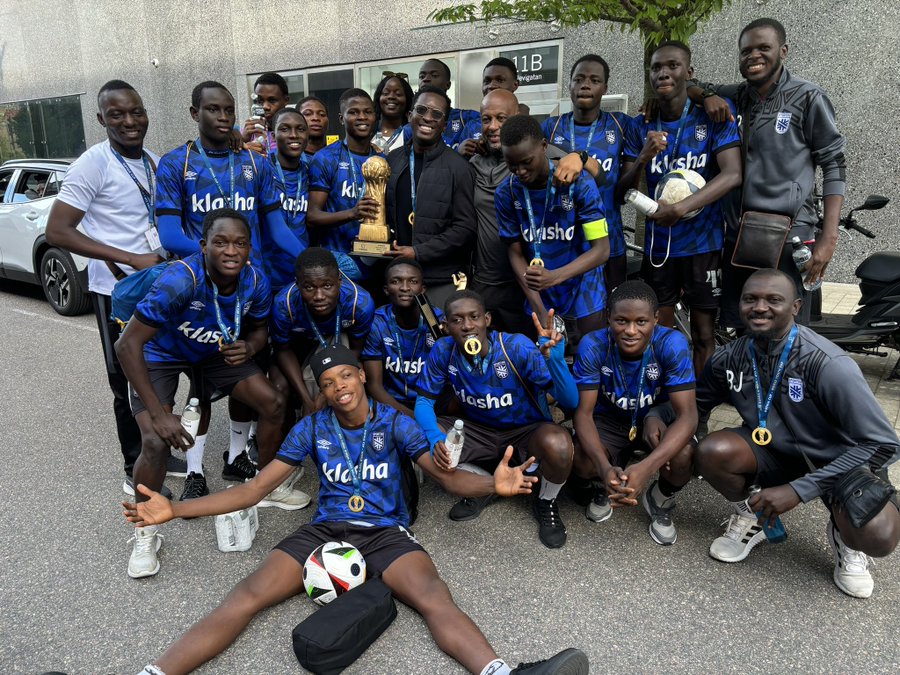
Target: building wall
<point>54,48</point>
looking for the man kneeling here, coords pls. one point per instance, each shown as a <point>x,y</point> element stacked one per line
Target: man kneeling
<point>344,434</point>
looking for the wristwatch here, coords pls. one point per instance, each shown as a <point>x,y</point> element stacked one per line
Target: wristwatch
<point>708,93</point>
<point>583,156</point>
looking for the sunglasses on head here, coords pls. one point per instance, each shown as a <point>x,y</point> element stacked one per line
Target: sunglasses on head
<point>391,73</point>
<point>424,110</point>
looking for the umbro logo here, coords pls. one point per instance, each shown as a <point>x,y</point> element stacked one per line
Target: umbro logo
<point>196,305</point>
<point>323,443</point>
<point>190,175</point>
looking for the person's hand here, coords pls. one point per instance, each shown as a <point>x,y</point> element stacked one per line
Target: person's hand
<point>614,479</point>
<point>155,511</point>
<point>667,214</point>
<point>441,457</point>
<point>398,251</point>
<point>237,352</point>
<point>236,142</point>
<point>141,261</point>
<point>657,142</point>
<point>470,147</point>
<point>313,406</point>
<point>823,250</point>
<point>568,169</point>
<point>654,428</point>
<point>510,481</point>
<point>650,108</point>
<point>547,330</point>
<point>168,427</point>
<point>717,109</point>
<point>365,209</point>
<point>539,278</point>
<point>636,476</point>
<point>252,128</point>
<point>772,502</point>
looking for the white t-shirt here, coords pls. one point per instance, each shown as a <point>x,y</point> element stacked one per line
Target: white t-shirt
<point>114,210</point>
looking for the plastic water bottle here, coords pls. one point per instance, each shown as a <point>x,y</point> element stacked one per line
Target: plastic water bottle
<point>259,113</point>
<point>236,531</point>
<point>454,442</point>
<point>190,417</point>
<point>802,255</point>
<point>641,202</point>
<point>774,533</point>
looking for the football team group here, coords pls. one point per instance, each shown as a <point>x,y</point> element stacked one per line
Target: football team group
<point>563,365</point>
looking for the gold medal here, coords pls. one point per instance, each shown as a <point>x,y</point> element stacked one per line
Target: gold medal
<point>761,436</point>
<point>536,262</point>
<point>632,433</point>
<point>472,346</point>
<point>412,219</point>
<point>356,503</point>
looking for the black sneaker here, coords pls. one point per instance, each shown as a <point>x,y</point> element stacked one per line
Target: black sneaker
<point>470,508</point>
<point>551,530</point>
<point>567,662</point>
<point>176,467</point>
<point>241,469</point>
<point>194,486</point>
<point>128,488</point>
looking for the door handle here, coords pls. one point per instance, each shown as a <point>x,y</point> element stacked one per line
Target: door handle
<point>32,215</point>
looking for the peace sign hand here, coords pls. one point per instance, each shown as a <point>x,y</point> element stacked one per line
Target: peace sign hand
<point>554,337</point>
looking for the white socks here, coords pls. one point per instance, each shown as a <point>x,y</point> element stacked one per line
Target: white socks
<point>495,667</point>
<point>240,434</point>
<point>550,491</point>
<point>194,455</point>
<point>150,669</point>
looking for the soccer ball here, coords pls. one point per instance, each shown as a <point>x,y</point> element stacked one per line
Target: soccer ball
<point>677,185</point>
<point>330,570</point>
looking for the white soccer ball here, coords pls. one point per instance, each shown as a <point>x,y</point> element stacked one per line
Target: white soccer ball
<point>332,569</point>
<point>678,185</point>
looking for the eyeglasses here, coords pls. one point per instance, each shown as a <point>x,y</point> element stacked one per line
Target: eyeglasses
<point>423,110</point>
<point>391,73</point>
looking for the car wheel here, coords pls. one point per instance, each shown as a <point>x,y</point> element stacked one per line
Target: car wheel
<point>59,279</point>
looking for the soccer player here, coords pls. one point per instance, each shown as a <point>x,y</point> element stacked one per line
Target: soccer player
<point>336,183</point>
<point>500,382</point>
<point>191,320</point>
<point>436,73</point>
<point>393,99</point>
<point>399,340</point>
<point>109,191</point>
<point>429,197</point>
<point>595,141</point>
<point>321,309</point>
<point>499,73</point>
<point>809,419</point>
<point>316,114</point>
<point>343,435</point>
<point>683,256</point>
<point>271,92</point>
<point>789,130</point>
<point>622,371</point>
<point>557,236</point>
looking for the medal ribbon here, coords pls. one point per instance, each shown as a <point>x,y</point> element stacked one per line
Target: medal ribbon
<point>681,122</point>
<point>318,333</point>
<point>645,360</point>
<point>356,472</point>
<point>587,147</point>
<point>227,337</point>
<point>296,208</point>
<point>762,407</point>
<point>412,178</point>
<point>360,188</point>
<point>537,238</point>
<point>149,196</point>
<point>480,363</point>
<point>395,330</point>
<point>230,196</point>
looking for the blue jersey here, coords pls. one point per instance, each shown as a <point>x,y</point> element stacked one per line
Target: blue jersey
<point>290,317</point>
<point>402,364</point>
<point>391,435</point>
<point>330,171</point>
<point>181,306</point>
<point>606,145</point>
<point>493,396</point>
<point>279,265</point>
<point>461,124</point>
<point>700,140</point>
<point>574,218</point>
<point>670,368</point>
<point>186,188</point>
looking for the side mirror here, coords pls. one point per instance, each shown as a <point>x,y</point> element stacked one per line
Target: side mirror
<point>873,203</point>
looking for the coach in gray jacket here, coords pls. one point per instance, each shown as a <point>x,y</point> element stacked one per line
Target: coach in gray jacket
<point>788,129</point>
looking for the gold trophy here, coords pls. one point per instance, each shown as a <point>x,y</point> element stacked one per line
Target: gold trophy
<point>374,235</point>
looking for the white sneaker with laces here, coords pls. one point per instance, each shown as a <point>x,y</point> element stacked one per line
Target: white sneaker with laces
<point>286,498</point>
<point>144,561</point>
<point>741,535</point>
<point>851,568</point>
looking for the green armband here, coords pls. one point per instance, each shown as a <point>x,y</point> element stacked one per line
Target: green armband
<point>596,229</point>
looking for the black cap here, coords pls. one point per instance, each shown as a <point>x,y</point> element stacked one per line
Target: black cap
<point>339,355</point>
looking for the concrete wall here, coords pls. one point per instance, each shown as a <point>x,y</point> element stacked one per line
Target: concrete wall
<point>53,48</point>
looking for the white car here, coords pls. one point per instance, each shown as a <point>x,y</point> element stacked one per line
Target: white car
<point>28,188</point>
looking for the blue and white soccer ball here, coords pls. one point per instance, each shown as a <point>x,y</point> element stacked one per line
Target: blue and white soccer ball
<point>332,569</point>
<point>677,185</point>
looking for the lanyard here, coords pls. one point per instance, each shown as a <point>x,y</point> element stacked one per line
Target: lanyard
<point>318,333</point>
<point>149,196</point>
<point>228,198</point>
<point>645,360</point>
<point>587,147</point>
<point>681,122</point>
<point>390,141</point>
<point>763,407</point>
<point>227,336</point>
<point>296,208</point>
<point>480,363</point>
<point>395,329</point>
<point>358,188</point>
<point>537,237</point>
<point>412,178</point>
<point>355,502</point>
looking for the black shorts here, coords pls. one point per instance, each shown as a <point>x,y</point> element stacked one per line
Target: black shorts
<point>484,446</point>
<point>214,376</point>
<point>380,546</point>
<point>773,468</point>
<point>697,279</point>
<point>614,435</point>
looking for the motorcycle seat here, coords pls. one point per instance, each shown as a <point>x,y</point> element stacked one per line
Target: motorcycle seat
<point>883,267</point>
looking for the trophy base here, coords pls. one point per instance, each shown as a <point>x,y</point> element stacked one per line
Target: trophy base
<point>371,249</point>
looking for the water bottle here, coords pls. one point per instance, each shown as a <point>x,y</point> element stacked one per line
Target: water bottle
<point>774,533</point>
<point>236,531</point>
<point>190,417</point>
<point>802,255</point>
<point>258,112</point>
<point>641,202</point>
<point>454,442</point>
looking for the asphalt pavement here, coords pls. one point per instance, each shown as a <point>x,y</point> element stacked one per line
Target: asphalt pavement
<point>66,603</point>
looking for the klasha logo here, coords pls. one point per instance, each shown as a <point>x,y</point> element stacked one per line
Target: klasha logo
<point>200,334</point>
<point>207,203</point>
<point>553,233</point>
<point>487,402</point>
<point>691,161</point>
<point>340,474</point>
<point>293,205</point>
<point>626,403</point>
<point>394,365</point>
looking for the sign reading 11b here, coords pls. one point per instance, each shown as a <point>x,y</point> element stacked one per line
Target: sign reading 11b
<point>536,65</point>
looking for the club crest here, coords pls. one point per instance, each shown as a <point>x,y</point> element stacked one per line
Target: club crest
<point>378,440</point>
<point>795,389</point>
<point>782,122</point>
<point>455,125</point>
<point>248,171</point>
<point>429,340</point>
<point>501,369</point>
<point>566,202</point>
<point>653,371</point>
<point>610,136</point>
<point>700,132</point>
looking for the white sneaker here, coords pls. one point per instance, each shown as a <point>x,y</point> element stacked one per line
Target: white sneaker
<point>851,568</point>
<point>143,561</point>
<point>741,535</point>
<point>286,498</point>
